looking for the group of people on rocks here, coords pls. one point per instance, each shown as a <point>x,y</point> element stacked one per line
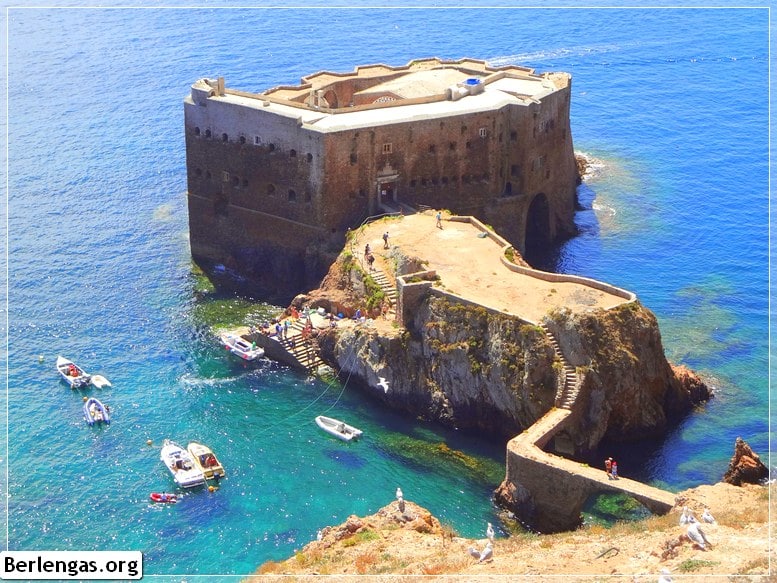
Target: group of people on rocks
<point>611,467</point>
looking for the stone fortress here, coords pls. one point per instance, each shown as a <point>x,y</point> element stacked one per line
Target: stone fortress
<point>276,179</point>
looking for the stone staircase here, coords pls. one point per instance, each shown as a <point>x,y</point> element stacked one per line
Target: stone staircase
<point>301,350</point>
<point>568,385</point>
<point>389,287</point>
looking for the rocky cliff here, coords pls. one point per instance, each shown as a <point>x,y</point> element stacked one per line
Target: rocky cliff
<point>474,369</point>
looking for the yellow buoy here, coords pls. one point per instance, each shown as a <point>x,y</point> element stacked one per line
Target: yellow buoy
<point>85,398</point>
<point>149,442</point>
<point>211,489</point>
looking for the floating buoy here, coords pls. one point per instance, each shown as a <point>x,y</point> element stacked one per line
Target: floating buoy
<point>85,399</point>
<point>211,489</point>
<point>149,442</point>
<point>40,358</point>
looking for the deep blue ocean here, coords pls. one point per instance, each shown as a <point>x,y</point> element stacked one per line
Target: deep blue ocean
<point>672,104</point>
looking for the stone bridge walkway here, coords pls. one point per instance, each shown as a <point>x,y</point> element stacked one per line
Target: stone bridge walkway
<point>560,486</point>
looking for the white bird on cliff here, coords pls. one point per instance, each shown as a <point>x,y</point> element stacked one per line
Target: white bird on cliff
<point>319,535</point>
<point>399,493</point>
<point>696,534</point>
<point>684,516</point>
<point>401,504</point>
<point>665,576</point>
<point>706,516</point>
<point>382,382</point>
<point>474,552</point>
<point>490,532</point>
<point>487,552</point>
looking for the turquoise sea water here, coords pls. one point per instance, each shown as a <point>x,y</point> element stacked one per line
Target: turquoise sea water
<point>674,103</point>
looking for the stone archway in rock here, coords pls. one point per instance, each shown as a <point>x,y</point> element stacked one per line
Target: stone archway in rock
<point>538,242</point>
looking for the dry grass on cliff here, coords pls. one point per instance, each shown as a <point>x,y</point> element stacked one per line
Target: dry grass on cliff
<point>392,546</point>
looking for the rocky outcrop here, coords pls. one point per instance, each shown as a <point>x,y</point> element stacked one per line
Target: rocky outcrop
<point>474,369</point>
<point>628,390</point>
<point>459,365</point>
<point>745,466</point>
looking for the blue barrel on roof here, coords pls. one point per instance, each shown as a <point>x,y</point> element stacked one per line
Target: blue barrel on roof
<point>472,81</point>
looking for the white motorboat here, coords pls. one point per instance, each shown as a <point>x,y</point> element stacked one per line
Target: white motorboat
<point>181,465</point>
<point>77,377</point>
<point>96,412</point>
<point>206,460</point>
<point>241,347</point>
<point>338,428</point>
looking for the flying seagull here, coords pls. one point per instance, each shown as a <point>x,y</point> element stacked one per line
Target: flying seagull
<point>382,382</point>
<point>490,532</point>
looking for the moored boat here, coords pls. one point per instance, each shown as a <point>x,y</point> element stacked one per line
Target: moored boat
<point>206,460</point>
<point>181,465</point>
<point>338,428</point>
<point>163,497</point>
<point>241,347</point>
<point>96,412</point>
<point>77,377</point>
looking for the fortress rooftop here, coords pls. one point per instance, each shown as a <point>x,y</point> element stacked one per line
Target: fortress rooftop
<point>379,94</point>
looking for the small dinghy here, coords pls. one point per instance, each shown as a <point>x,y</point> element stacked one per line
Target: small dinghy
<point>338,428</point>
<point>96,412</point>
<point>77,377</point>
<point>241,347</point>
<point>163,497</point>
<point>181,465</point>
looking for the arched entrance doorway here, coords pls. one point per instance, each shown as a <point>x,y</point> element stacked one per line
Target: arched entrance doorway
<point>538,244</point>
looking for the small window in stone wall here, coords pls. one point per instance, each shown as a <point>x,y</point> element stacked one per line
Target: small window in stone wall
<point>310,157</point>
<point>387,148</point>
<point>353,158</point>
<point>257,140</point>
<point>224,176</point>
<point>514,170</point>
<point>468,145</point>
<point>547,173</point>
<point>452,146</point>
<point>196,131</point>
<point>463,130</point>
<point>271,147</point>
<point>423,181</point>
<point>513,136</point>
<point>445,180</point>
<point>270,190</point>
<point>292,196</point>
<point>242,139</point>
<point>483,132</point>
<point>224,138</point>
<point>292,153</point>
<point>207,133</point>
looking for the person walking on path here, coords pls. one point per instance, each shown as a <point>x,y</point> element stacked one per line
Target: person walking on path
<point>385,240</point>
<point>366,249</point>
<point>614,470</point>
<point>608,467</point>
<point>439,220</point>
<point>371,260</point>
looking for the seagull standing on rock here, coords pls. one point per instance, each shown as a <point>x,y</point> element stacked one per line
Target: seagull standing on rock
<point>696,534</point>
<point>490,533</point>
<point>487,552</point>
<point>399,493</point>
<point>706,516</point>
